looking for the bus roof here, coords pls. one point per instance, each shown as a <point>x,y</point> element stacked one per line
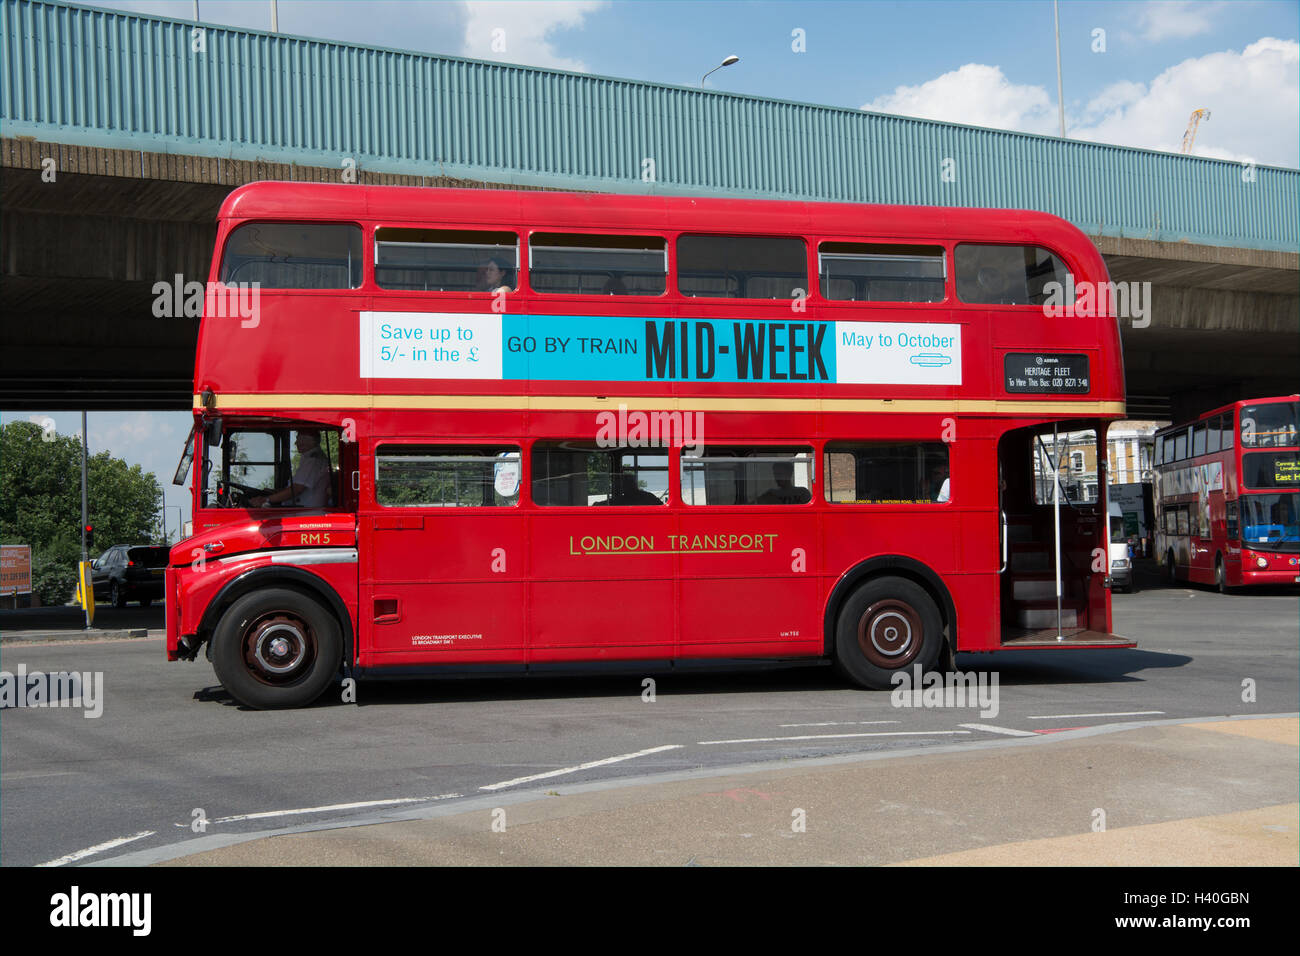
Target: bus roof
<point>510,207</point>
<point>1230,406</point>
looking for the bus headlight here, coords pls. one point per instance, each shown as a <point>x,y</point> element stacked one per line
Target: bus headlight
<point>1261,562</point>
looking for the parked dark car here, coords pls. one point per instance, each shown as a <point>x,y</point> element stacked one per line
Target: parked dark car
<point>129,573</point>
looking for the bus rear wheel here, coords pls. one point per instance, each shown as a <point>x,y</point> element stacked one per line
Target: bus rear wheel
<point>276,648</point>
<point>1171,571</point>
<point>1220,576</point>
<point>887,625</point>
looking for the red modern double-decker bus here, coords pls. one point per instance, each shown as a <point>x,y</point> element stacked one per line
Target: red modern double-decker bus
<point>449,431</point>
<point>1227,495</point>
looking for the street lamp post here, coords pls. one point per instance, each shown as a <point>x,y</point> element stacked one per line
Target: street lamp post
<point>727,62</point>
<point>1060,90</point>
<point>179,522</point>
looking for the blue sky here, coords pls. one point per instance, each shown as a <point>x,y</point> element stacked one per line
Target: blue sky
<point>968,61</point>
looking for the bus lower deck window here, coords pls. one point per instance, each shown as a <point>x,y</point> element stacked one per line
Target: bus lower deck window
<point>887,473</point>
<point>581,474</point>
<point>749,475</point>
<point>447,476</point>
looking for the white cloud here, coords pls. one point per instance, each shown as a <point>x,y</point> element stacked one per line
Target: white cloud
<point>521,31</point>
<point>1177,19</point>
<point>976,94</point>
<point>126,434</point>
<point>1253,97</point>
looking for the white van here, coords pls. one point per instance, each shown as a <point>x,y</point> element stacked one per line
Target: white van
<point>1121,567</point>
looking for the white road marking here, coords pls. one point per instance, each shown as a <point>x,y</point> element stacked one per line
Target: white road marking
<point>267,814</point>
<point>843,723</point>
<point>1007,731</point>
<point>1127,713</point>
<point>885,733</point>
<point>582,766</point>
<point>97,848</point>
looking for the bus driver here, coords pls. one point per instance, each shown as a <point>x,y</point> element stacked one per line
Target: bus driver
<point>310,487</point>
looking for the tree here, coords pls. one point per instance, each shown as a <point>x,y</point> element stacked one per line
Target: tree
<point>40,503</point>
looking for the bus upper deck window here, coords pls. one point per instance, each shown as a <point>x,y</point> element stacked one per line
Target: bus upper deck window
<point>1007,275</point>
<point>446,260</point>
<point>1268,426</point>
<point>741,267</point>
<point>582,264</point>
<point>1212,434</point>
<point>881,273</point>
<point>293,255</point>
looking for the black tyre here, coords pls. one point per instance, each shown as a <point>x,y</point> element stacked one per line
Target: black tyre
<point>117,595</point>
<point>1220,576</point>
<point>276,648</point>
<point>887,625</point>
<point>1171,572</point>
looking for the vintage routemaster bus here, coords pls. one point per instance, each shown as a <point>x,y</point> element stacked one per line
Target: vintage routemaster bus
<point>452,431</point>
<point>1227,495</point>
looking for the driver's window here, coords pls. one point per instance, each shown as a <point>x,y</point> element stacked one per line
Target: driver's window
<point>252,458</point>
<point>287,466</point>
<point>246,463</point>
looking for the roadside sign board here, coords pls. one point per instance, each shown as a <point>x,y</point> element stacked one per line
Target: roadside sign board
<point>15,569</point>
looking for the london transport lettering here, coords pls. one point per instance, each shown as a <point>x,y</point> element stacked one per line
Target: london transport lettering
<point>449,345</point>
<point>757,543</point>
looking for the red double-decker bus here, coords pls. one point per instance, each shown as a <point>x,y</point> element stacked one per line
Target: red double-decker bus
<point>1227,495</point>
<point>451,431</point>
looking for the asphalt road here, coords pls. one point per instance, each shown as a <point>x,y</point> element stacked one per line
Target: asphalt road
<point>170,742</point>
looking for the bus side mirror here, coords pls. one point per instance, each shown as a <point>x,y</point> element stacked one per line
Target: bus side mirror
<point>212,432</point>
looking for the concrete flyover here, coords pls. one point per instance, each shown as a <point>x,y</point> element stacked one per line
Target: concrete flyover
<point>121,138</point>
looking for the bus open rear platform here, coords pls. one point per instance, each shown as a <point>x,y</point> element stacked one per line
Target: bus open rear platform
<point>1069,637</point>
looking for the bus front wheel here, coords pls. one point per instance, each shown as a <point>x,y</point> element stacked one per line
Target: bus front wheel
<point>276,648</point>
<point>887,625</point>
<point>1171,570</point>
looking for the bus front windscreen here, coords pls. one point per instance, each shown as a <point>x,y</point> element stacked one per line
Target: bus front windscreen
<point>1270,523</point>
<point>1270,425</point>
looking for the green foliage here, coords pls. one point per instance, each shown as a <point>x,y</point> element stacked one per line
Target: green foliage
<point>54,570</point>
<point>40,503</point>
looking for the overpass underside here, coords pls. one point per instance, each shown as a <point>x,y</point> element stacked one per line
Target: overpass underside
<point>82,254</point>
